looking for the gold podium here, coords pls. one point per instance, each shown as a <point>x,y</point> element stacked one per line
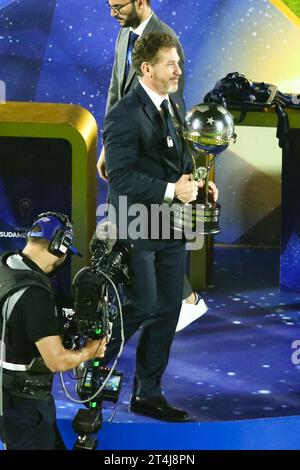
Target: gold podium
<point>71,132</point>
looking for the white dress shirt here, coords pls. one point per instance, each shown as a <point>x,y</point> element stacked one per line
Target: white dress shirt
<point>157,101</point>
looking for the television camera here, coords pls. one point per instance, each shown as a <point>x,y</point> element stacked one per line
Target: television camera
<point>97,304</point>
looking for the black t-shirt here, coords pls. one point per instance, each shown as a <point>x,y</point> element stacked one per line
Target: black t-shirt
<point>33,317</point>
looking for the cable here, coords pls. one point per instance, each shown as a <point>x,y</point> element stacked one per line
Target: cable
<point>74,400</point>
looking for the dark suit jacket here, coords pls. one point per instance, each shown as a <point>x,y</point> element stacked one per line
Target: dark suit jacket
<point>117,89</point>
<point>138,160</point>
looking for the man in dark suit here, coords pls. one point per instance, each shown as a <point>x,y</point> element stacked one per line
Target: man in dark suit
<point>147,165</point>
<point>136,18</point>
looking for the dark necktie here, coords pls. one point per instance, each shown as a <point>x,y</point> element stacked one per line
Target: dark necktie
<point>172,139</point>
<point>132,38</point>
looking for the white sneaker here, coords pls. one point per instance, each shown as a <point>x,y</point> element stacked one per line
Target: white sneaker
<point>190,313</point>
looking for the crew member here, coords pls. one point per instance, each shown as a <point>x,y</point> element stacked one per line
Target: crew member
<point>31,326</point>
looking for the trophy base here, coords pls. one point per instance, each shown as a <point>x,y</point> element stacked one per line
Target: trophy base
<point>200,219</point>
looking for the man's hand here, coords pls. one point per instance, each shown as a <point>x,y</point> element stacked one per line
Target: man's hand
<point>96,348</point>
<point>59,359</point>
<point>213,191</point>
<point>186,189</point>
<point>101,165</point>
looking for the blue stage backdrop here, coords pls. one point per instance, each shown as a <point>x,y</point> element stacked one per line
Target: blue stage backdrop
<point>62,51</point>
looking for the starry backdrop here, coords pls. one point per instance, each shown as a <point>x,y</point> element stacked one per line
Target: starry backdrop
<point>62,51</point>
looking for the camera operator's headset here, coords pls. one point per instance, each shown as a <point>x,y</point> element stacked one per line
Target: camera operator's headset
<point>58,230</point>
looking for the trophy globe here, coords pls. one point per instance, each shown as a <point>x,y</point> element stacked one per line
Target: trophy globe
<point>208,130</point>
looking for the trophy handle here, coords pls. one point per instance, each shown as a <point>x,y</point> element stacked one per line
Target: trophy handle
<point>209,163</point>
<point>202,173</point>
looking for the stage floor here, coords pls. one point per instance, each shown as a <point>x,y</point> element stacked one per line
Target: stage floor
<point>231,370</point>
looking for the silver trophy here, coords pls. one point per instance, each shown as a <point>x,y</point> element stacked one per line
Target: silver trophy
<point>208,131</point>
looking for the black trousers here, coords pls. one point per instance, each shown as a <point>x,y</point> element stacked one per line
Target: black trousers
<point>30,424</point>
<point>155,297</point>
<point>187,288</point>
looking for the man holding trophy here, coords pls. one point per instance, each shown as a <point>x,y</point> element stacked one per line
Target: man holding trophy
<point>147,164</point>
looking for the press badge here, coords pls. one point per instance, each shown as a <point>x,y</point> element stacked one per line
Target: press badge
<point>170,143</point>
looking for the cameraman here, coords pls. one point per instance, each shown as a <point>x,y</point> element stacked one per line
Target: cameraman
<point>31,331</point>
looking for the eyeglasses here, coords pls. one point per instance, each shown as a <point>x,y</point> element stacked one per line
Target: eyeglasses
<point>117,8</point>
